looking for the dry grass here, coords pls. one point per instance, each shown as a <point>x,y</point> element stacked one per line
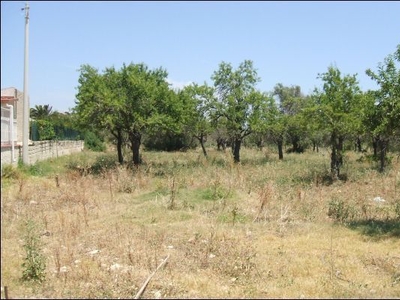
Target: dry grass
<point>260,229</point>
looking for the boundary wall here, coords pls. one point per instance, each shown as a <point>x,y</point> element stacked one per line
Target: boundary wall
<point>40,150</point>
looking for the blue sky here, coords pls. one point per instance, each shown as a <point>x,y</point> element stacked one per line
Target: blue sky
<point>289,42</point>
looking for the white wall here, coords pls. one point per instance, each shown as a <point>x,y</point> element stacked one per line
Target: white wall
<point>41,150</point>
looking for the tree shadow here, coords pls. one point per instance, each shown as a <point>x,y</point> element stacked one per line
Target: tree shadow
<point>377,228</point>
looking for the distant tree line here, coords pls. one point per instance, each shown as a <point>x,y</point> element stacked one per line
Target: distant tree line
<point>136,105</point>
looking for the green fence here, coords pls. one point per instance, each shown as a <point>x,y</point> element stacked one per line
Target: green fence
<point>61,133</point>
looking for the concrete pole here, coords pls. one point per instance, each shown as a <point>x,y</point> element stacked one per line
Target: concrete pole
<point>25,135</point>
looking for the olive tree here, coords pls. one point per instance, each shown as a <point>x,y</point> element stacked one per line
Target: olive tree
<point>132,101</point>
<point>384,116</point>
<point>335,111</point>
<point>236,103</point>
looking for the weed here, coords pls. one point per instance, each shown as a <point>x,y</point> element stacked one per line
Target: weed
<point>266,194</point>
<point>173,191</point>
<point>396,209</point>
<point>338,210</point>
<point>35,262</point>
<point>9,172</point>
<point>234,215</point>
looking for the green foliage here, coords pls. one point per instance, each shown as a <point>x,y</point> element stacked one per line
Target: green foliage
<point>385,118</point>
<point>197,100</point>
<point>103,163</point>
<point>291,103</point>
<point>34,265</point>
<point>65,126</point>
<point>133,101</point>
<point>45,129</point>
<point>167,142</point>
<point>274,124</point>
<point>93,142</point>
<point>48,125</point>
<point>335,109</point>
<point>237,105</point>
<point>41,112</point>
<point>35,170</point>
<point>40,168</point>
<point>382,117</point>
<point>53,126</point>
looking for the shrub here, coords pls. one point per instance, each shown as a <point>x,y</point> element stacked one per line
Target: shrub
<point>45,130</point>
<point>104,163</point>
<point>94,143</point>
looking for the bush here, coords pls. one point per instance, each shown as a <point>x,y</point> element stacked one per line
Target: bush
<point>45,130</point>
<point>94,143</point>
<point>104,163</point>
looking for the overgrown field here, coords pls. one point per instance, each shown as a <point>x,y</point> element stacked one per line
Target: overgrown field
<point>84,228</point>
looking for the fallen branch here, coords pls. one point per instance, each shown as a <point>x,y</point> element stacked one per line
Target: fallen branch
<point>149,278</point>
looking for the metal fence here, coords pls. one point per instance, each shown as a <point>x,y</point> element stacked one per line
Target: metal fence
<point>61,133</point>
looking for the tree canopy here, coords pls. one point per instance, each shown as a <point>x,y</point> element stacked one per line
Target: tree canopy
<point>236,103</point>
<point>132,101</point>
<point>136,101</point>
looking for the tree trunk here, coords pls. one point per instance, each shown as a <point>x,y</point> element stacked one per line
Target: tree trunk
<point>118,136</point>
<point>375,146</point>
<point>358,144</point>
<point>201,140</point>
<point>335,158</point>
<point>315,146</point>
<point>236,149</point>
<point>340,150</point>
<point>260,143</point>
<point>280,148</point>
<point>119,147</point>
<point>383,143</point>
<point>221,142</point>
<point>295,144</point>
<point>135,139</point>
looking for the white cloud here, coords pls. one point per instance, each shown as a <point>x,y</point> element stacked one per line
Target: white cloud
<point>178,85</point>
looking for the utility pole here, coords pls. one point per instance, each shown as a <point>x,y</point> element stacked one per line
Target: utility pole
<point>25,133</point>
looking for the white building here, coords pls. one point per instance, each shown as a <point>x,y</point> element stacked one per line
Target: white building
<point>11,97</point>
